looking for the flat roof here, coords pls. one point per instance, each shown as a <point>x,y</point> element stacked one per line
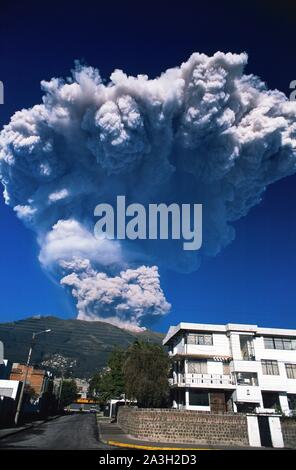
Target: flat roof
<point>235,327</point>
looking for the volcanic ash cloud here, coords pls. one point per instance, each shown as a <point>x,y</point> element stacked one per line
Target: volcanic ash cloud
<point>203,132</point>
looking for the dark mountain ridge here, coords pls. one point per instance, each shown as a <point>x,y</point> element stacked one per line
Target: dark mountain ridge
<point>77,347</point>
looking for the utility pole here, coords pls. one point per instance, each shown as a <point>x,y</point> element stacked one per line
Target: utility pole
<point>19,405</point>
<point>61,388</point>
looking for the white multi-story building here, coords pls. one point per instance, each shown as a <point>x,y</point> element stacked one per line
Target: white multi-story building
<point>240,368</point>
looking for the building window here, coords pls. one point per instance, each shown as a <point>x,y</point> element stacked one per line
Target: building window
<point>197,367</point>
<point>271,400</point>
<point>197,398</point>
<point>247,347</point>
<point>292,401</point>
<point>202,340</point>
<point>268,343</point>
<point>280,343</point>
<point>270,367</point>
<point>246,378</point>
<point>291,371</point>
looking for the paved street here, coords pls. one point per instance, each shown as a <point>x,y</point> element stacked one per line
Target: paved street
<point>77,431</point>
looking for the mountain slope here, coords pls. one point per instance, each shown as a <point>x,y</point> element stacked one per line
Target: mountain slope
<point>79,347</point>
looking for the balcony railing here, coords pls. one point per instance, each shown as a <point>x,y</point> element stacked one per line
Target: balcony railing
<point>202,379</point>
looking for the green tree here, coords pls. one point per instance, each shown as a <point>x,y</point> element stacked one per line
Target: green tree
<point>69,392</point>
<point>30,392</point>
<point>146,371</point>
<point>109,383</point>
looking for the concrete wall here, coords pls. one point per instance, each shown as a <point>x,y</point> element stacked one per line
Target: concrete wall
<point>184,426</point>
<point>9,388</point>
<point>289,432</point>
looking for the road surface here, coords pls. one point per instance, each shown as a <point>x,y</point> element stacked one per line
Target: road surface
<point>76,431</point>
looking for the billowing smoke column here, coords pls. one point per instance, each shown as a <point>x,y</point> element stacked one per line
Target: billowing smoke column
<point>200,133</point>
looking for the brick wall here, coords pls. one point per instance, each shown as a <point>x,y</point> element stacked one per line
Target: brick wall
<point>289,432</point>
<point>35,377</point>
<point>184,426</point>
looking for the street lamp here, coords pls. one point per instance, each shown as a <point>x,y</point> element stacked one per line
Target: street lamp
<point>19,405</point>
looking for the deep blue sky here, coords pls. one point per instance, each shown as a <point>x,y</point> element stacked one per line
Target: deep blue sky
<point>253,280</point>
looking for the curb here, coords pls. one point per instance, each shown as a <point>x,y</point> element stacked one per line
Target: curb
<point>144,447</point>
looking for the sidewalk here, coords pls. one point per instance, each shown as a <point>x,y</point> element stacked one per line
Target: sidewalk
<point>111,434</point>
<point>6,432</point>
